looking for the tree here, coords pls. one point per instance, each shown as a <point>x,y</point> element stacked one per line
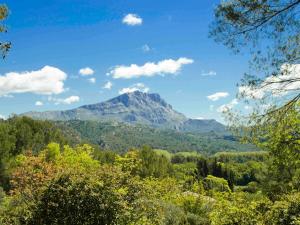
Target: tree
<point>78,200</point>
<point>270,30</point>
<point>285,211</point>
<point>4,46</point>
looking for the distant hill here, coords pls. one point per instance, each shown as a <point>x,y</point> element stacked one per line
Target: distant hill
<point>134,108</point>
<point>120,137</point>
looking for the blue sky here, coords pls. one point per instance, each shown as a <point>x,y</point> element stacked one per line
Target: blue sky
<point>69,35</point>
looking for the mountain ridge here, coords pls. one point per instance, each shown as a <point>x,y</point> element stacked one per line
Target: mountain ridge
<point>133,108</point>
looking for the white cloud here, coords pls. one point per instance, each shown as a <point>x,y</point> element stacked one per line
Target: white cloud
<point>216,96</point>
<point>108,85</point>
<point>149,69</point>
<point>66,101</point>
<point>200,118</point>
<point>275,85</point>
<point>227,107</point>
<point>209,73</point>
<point>87,71</point>
<point>136,87</point>
<point>49,80</point>
<point>7,96</point>
<point>39,103</point>
<point>2,117</point>
<point>146,48</point>
<point>92,80</point>
<point>132,20</point>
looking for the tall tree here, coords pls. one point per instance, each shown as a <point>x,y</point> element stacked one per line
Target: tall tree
<point>270,30</point>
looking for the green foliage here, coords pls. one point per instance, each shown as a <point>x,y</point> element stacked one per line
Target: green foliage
<point>239,209</point>
<point>4,46</point>
<point>241,157</point>
<point>62,184</point>
<point>153,164</point>
<point>52,152</point>
<point>72,200</point>
<point>268,29</point>
<point>216,184</point>
<point>285,211</point>
<point>121,137</point>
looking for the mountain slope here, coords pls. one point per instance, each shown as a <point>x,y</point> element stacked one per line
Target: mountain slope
<point>122,136</point>
<point>134,108</point>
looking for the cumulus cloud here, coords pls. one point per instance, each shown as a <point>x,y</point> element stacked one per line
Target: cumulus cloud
<point>66,101</point>
<point>92,80</point>
<point>216,96</point>
<point>149,69</point>
<point>87,71</point>
<point>136,87</point>
<point>279,85</point>
<point>2,117</point>
<point>132,20</point>
<point>108,85</point>
<point>209,73</point>
<point>227,107</point>
<point>39,103</point>
<point>49,80</point>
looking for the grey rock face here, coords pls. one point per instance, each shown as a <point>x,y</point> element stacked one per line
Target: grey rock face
<point>135,108</point>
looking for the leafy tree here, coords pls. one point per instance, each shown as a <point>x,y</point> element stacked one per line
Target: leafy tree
<point>216,184</point>
<point>270,29</point>
<point>239,209</point>
<point>4,46</point>
<point>153,164</point>
<point>78,200</point>
<point>284,211</point>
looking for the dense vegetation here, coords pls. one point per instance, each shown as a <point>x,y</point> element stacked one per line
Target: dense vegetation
<point>120,137</point>
<point>50,179</point>
<point>65,185</point>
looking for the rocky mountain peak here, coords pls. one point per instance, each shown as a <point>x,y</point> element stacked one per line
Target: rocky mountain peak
<point>140,98</point>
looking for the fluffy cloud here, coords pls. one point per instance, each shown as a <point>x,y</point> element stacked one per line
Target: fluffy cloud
<point>209,73</point>
<point>136,87</point>
<point>92,80</point>
<point>275,85</point>
<point>66,101</point>
<point>227,107</point>
<point>217,96</point>
<point>87,71</point>
<point>39,103</point>
<point>2,117</point>
<point>168,66</point>
<point>49,80</point>
<point>132,20</point>
<point>108,85</point>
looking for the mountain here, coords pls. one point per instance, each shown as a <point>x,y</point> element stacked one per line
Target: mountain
<point>133,108</point>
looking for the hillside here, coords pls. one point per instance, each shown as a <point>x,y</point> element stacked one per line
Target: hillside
<point>121,136</point>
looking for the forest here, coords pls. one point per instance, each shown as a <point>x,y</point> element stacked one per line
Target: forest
<point>48,179</point>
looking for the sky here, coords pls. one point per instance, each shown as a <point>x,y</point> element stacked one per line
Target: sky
<point>68,53</point>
